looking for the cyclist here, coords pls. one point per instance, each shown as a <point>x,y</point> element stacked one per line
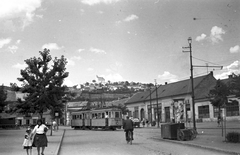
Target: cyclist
<point>128,126</point>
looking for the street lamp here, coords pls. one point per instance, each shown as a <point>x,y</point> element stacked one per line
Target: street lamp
<point>191,69</point>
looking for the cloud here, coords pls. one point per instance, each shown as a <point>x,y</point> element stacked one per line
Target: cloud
<point>76,57</point>
<point>18,41</point>
<point>51,46</point>
<point>70,62</point>
<point>114,77</point>
<point>68,83</point>
<point>13,48</point>
<point>130,18</point>
<point>216,34</point>
<point>228,70</point>
<point>80,50</point>
<point>233,66</point>
<point>168,76</point>
<point>4,42</point>
<point>93,2</point>
<point>20,66</point>
<point>90,69</point>
<point>235,49</point>
<point>201,37</point>
<point>94,50</point>
<point>19,11</point>
<point>214,37</point>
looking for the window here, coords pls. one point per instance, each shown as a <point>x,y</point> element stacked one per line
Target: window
<point>135,113</point>
<point>117,115</point>
<point>203,111</point>
<point>216,111</point>
<point>232,109</point>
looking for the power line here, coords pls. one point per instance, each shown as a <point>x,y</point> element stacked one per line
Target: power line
<point>206,61</point>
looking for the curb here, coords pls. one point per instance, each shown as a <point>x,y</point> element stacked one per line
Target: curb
<point>60,144</point>
<point>199,146</point>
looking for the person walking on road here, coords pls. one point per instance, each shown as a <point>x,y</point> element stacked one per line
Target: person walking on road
<point>27,143</point>
<point>40,138</point>
<point>54,125</point>
<point>128,126</point>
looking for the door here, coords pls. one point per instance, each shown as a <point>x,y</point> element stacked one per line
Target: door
<point>167,114</point>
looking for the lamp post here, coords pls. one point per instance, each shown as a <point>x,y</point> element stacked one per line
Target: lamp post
<point>157,103</point>
<point>191,69</point>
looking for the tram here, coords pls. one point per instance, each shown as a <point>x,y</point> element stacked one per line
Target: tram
<point>104,118</point>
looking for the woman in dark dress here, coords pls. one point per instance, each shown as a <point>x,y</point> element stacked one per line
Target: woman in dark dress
<point>40,138</point>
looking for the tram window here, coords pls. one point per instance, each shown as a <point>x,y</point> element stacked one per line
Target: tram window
<point>103,115</point>
<point>80,116</point>
<point>99,115</point>
<point>74,117</point>
<point>109,114</point>
<point>117,115</point>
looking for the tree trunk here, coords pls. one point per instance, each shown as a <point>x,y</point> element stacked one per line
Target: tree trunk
<point>41,115</point>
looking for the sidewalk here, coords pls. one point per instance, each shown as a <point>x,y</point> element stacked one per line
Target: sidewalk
<point>54,141</point>
<point>210,137</point>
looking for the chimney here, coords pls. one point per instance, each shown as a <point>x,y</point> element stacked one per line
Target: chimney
<point>165,83</point>
<point>211,73</point>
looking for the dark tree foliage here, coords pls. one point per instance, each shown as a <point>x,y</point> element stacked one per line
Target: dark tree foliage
<point>14,87</point>
<point>43,84</point>
<point>235,85</point>
<point>218,95</point>
<point>3,97</point>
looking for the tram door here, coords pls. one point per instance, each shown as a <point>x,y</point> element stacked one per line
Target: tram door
<point>167,114</point>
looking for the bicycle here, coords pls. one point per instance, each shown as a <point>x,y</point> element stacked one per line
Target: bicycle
<point>129,138</point>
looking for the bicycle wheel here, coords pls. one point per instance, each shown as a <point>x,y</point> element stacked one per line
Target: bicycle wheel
<point>130,137</point>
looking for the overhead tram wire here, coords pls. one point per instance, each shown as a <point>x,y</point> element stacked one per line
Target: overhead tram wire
<point>206,61</point>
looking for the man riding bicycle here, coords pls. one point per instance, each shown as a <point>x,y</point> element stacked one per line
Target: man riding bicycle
<point>128,126</point>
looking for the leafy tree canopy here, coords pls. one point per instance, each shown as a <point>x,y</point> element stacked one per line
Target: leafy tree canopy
<point>235,85</point>
<point>43,84</point>
<point>3,97</point>
<point>218,95</point>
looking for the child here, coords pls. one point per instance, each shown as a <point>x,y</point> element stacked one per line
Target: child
<point>27,143</point>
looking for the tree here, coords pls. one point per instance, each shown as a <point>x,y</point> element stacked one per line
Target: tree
<point>3,97</point>
<point>43,84</point>
<point>235,85</point>
<point>218,95</point>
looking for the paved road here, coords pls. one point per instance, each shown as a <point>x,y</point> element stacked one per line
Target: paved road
<point>85,142</point>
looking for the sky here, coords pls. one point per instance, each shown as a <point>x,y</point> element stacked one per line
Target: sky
<point>122,40</point>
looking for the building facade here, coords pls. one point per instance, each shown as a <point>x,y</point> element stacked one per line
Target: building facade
<point>173,102</point>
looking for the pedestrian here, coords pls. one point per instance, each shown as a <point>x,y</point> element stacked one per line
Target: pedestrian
<point>54,125</point>
<point>27,142</point>
<point>40,138</point>
<point>128,127</point>
<point>219,121</point>
<point>147,123</point>
<point>143,122</point>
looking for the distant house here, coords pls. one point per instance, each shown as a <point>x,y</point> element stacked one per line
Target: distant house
<point>173,101</point>
<point>12,97</point>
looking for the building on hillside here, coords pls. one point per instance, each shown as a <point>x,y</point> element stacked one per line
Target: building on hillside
<point>173,102</point>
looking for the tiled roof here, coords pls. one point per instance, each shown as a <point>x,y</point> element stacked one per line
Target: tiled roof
<point>178,88</point>
<point>117,102</point>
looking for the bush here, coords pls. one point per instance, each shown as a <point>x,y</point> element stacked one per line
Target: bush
<point>233,137</point>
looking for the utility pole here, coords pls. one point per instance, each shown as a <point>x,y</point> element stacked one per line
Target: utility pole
<point>191,69</point>
<point>157,103</point>
<point>150,106</point>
